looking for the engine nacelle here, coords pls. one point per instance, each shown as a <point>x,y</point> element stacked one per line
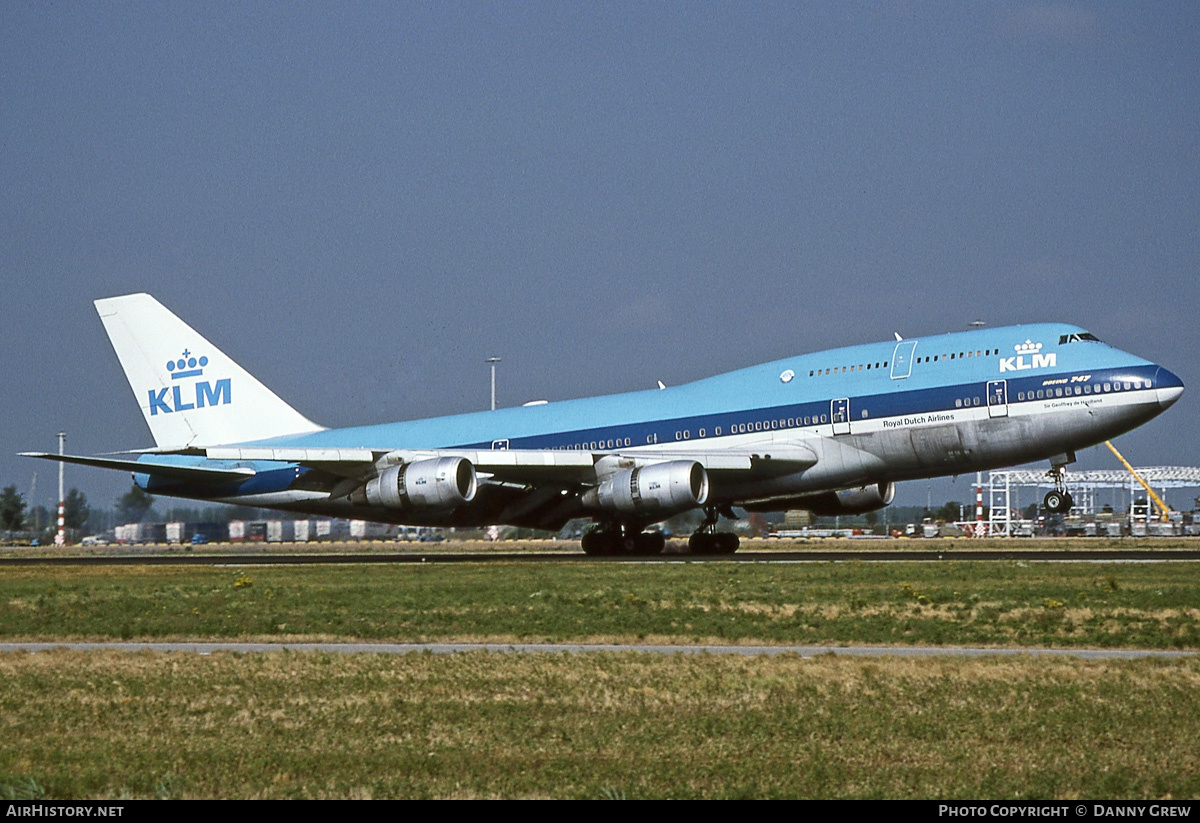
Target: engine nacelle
<point>440,483</point>
<point>858,500</point>
<point>660,489</point>
<point>851,501</point>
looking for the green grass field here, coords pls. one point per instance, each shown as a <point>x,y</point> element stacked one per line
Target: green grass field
<point>1009,603</point>
<point>111,724</point>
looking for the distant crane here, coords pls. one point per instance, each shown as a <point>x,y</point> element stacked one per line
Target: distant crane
<point>1158,501</point>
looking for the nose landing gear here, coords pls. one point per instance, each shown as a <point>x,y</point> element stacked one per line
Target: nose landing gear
<point>1058,501</point>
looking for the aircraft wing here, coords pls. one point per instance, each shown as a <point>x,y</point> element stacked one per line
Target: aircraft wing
<point>540,488</point>
<point>532,465</point>
<point>519,466</point>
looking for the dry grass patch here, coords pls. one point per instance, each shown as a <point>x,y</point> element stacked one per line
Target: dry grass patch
<point>496,725</point>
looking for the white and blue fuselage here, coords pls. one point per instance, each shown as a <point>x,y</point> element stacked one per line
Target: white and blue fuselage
<point>830,432</point>
<point>861,415</point>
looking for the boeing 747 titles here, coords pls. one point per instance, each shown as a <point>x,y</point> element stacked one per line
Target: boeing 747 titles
<point>831,432</point>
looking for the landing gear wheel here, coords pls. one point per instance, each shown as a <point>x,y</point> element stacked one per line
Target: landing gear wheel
<point>648,544</point>
<point>707,540</point>
<point>713,543</point>
<point>609,541</point>
<point>596,544</point>
<point>1058,502</point>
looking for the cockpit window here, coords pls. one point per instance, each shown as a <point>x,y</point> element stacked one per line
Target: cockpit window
<point>1074,338</point>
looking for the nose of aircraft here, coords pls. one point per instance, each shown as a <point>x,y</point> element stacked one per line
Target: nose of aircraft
<point>1170,387</point>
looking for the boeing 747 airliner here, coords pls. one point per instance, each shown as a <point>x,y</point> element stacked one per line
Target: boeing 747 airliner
<point>831,432</point>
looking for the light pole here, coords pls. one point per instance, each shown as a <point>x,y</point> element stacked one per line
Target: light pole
<point>492,361</point>
<point>60,538</point>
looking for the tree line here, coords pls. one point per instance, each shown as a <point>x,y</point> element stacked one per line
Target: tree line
<point>80,518</point>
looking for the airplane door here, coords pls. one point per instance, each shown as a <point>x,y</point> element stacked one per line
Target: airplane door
<point>839,415</point>
<point>997,395</point>
<point>902,359</point>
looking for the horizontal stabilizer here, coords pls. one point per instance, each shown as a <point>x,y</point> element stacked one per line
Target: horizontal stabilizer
<point>196,474</point>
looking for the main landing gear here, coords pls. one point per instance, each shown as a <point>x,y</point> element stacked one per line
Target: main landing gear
<point>616,539</point>
<point>710,541</point>
<point>1058,501</point>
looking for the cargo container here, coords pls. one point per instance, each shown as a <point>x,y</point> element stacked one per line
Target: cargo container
<point>212,532</point>
<point>281,531</point>
<point>185,532</point>
<point>365,530</point>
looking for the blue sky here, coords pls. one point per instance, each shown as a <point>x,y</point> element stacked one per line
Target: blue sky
<point>361,202</point>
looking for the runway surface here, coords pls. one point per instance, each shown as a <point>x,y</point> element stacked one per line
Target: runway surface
<point>271,558</point>
<point>585,648</point>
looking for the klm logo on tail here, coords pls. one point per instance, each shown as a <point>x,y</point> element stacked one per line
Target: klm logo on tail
<point>1037,359</point>
<point>182,397</point>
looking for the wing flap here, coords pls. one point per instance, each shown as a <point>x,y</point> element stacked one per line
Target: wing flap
<point>305,456</point>
<point>770,459</point>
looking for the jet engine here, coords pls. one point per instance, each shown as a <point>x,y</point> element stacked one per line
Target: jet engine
<point>440,483</point>
<point>660,489</point>
<point>830,504</point>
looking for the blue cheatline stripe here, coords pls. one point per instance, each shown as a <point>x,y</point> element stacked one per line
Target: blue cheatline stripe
<point>893,404</point>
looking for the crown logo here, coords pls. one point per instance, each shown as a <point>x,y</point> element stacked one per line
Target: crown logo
<point>186,366</point>
<point>1028,347</point>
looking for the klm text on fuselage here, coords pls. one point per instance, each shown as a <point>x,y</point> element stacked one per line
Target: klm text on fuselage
<point>1018,363</point>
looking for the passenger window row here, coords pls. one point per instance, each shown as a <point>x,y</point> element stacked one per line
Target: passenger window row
<point>960,355</point>
<point>1085,388</point>
<point>844,369</point>
<point>933,358</point>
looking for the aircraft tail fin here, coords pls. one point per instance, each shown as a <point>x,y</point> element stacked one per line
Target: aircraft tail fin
<point>190,392</point>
